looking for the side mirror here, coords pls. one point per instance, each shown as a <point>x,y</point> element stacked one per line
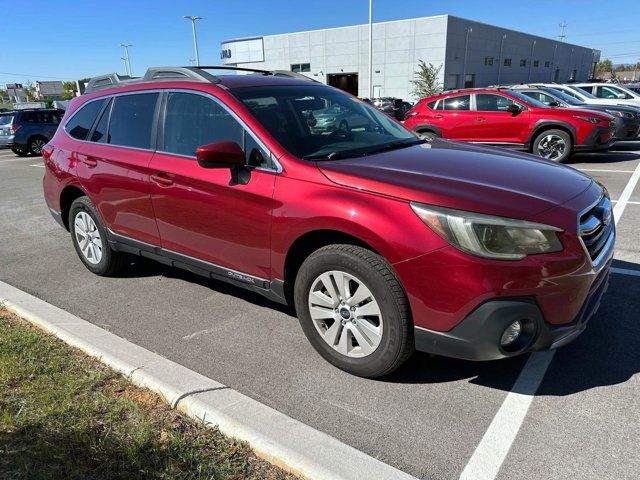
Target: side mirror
<point>220,155</point>
<point>554,104</point>
<point>622,96</point>
<point>514,109</point>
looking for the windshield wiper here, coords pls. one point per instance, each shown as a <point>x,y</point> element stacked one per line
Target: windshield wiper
<point>330,156</point>
<point>397,145</point>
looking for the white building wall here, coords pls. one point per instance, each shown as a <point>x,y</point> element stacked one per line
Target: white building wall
<point>399,45</point>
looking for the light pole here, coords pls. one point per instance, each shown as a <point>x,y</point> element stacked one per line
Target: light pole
<point>195,36</point>
<point>371,49</point>
<point>124,60</point>
<point>533,46</point>
<point>466,49</point>
<point>500,61</point>
<point>553,63</point>
<point>126,56</point>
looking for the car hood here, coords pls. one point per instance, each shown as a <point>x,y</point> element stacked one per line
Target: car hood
<point>462,176</point>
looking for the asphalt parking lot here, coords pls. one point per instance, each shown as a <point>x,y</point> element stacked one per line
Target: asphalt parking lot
<point>428,418</point>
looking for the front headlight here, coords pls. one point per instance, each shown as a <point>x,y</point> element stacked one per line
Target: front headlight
<point>488,236</point>
<point>593,120</point>
<point>615,112</point>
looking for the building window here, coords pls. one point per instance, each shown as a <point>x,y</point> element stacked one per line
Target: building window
<point>488,61</point>
<point>507,62</point>
<point>469,81</point>
<point>523,63</point>
<point>547,64</point>
<point>536,63</point>
<point>301,67</point>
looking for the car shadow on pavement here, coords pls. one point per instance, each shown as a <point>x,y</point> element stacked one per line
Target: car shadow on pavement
<point>626,147</point>
<point>607,353</point>
<point>608,157</point>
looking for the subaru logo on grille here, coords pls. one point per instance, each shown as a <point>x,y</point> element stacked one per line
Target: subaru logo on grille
<point>603,211</point>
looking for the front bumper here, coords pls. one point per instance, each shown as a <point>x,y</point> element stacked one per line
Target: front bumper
<point>477,337</point>
<point>6,141</point>
<point>600,138</point>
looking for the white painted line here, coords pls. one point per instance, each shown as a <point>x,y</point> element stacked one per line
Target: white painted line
<point>37,165</point>
<point>626,194</point>
<point>274,436</point>
<point>603,170</point>
<point>626,271</point>
<point>490,453</point>
<point>630,202</point>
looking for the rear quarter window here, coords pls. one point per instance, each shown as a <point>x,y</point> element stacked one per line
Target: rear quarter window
<point>79,125</point>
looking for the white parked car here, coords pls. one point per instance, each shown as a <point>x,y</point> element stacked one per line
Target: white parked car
<point>611,92</point>
<point>580,93</point>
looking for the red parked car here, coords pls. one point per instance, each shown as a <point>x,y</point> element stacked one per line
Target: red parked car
<point>383,242</point>
<point>507,118</point>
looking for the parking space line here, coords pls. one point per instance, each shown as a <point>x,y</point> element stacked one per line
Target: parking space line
<point>626,194</point>
<point>37,165</point>
<point>490,453</point>
<point>626,271</point>
<point>603,170</point>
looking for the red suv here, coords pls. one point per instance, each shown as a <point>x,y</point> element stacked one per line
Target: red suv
<point>507,118</point>
<point>383,242</point>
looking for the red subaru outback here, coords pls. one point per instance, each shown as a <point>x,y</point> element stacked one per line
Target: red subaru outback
<point>507,118</point>
<point>382,242</point>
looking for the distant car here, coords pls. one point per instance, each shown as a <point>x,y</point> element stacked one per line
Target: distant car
<point>510,119</point>
<point>394,107</point>
<point>336,118</point>
<point>612,92</point>
<point>27,131</point>
<point>634,87</point>
<point>629,117</point>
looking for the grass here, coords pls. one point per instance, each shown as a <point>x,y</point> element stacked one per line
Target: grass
<point>63,415</point>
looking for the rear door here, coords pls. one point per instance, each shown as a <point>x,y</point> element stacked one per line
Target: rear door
<point>453,116</point>
<point>113,164</point>
<point>494,123</point>
<point>201,213</point>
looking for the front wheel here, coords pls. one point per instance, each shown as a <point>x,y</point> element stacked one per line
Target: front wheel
<point>353,310</point>
<point>20,151</point>
<point>555,145</point>
<point>35,146</point>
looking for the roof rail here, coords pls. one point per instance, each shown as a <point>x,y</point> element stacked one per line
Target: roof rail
<point>159,74</point>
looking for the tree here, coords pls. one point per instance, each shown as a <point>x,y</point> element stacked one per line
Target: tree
<point>30,91</point>
<point>425,82</point>
<point>605,66</point>
<point>69,90</point>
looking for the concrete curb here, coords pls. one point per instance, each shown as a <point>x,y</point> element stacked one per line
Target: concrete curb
<point>274,436</point>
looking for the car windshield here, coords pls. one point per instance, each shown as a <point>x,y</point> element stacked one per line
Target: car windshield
<point>5,119</point>
<point>527,100</point>
<point>322,123</point>
<point>582,92</point>
<point>564,97</point>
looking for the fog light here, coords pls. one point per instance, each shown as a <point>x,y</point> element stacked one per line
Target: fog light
<point>511,333</point>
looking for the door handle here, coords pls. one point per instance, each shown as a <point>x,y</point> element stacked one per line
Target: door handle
<point>439,117</point>
<point>89,161</point>
<point>162,179</point>
<point>480,119</point>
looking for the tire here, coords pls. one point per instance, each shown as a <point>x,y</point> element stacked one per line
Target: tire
<point>19,151</point>
<point>343,126</point>
<point>428,135</point>
<point>389,339</point>
<point>35,145</point>
<point>105,262</point>
<point>549,143</point>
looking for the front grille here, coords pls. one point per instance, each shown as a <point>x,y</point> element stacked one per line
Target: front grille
<point>596,226</point>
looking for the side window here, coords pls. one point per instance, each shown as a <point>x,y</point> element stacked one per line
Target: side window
<point>255,155</point>
<point>486,102</point>
<point>28,117</point>
<point>432,105</point>
<point>81,122</point>
<point>193,120</point>
<point>588,88</point>
<point>457,103</point>
<point>99,134</point>
<point>50,118</point>
<point>132,120</point>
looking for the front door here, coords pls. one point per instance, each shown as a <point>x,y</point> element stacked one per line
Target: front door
<point>494,123</point>
<point>202,213</point>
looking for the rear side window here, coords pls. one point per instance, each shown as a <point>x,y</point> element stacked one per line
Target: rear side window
<point>462,102</point>
<point>81,122</point>
<point>99,134</point>
<point>132,120</point>
<point>588,88</point>
<point>432,105</point>
<point>193,120</point>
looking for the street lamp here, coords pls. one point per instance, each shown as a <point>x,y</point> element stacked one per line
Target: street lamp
<point>466,49</point>
<point>195,36</point>
<point>126,56</point>
<point>124,60</point>
<point>500,61</point>
<point>371,49</point>
<point>533,47</point>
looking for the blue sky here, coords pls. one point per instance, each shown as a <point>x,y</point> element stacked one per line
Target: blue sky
<point>72,39</point>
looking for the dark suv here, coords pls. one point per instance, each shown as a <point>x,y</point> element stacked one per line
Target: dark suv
<point>383,242</point>
<point>27,131</point>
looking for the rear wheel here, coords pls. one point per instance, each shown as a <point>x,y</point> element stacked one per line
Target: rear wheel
<point>427,135</point>
<point>35,145</point>
<point>353,310</point>
<point>90,239</point>
<point>20,151</point>
<point>555,145</point>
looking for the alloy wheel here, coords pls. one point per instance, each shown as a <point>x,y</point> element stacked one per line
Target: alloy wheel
<point>552,147</point>
<point>88,237</point>
<point>36,146</point>
<point>345,314</point>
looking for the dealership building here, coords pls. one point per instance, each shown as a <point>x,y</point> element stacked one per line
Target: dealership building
<point>470,54</point>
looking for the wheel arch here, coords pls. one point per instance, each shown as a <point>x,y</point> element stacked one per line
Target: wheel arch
<point>426,127</point>
<point>67,196</point>
<point>543,126</point>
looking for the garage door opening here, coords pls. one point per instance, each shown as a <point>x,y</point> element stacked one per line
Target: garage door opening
<point>344,81</point>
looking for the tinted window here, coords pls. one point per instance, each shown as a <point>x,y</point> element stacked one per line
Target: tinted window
<point>82,121</point>
<point>100,132</point>
<point>194,120</point>
<point>5,119</point>
<point>432,105</point>
<point>132,120</point>
<point>611,92</point>
<point>492,103</point>
<point>457,103</point>
<point>255,155</point>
